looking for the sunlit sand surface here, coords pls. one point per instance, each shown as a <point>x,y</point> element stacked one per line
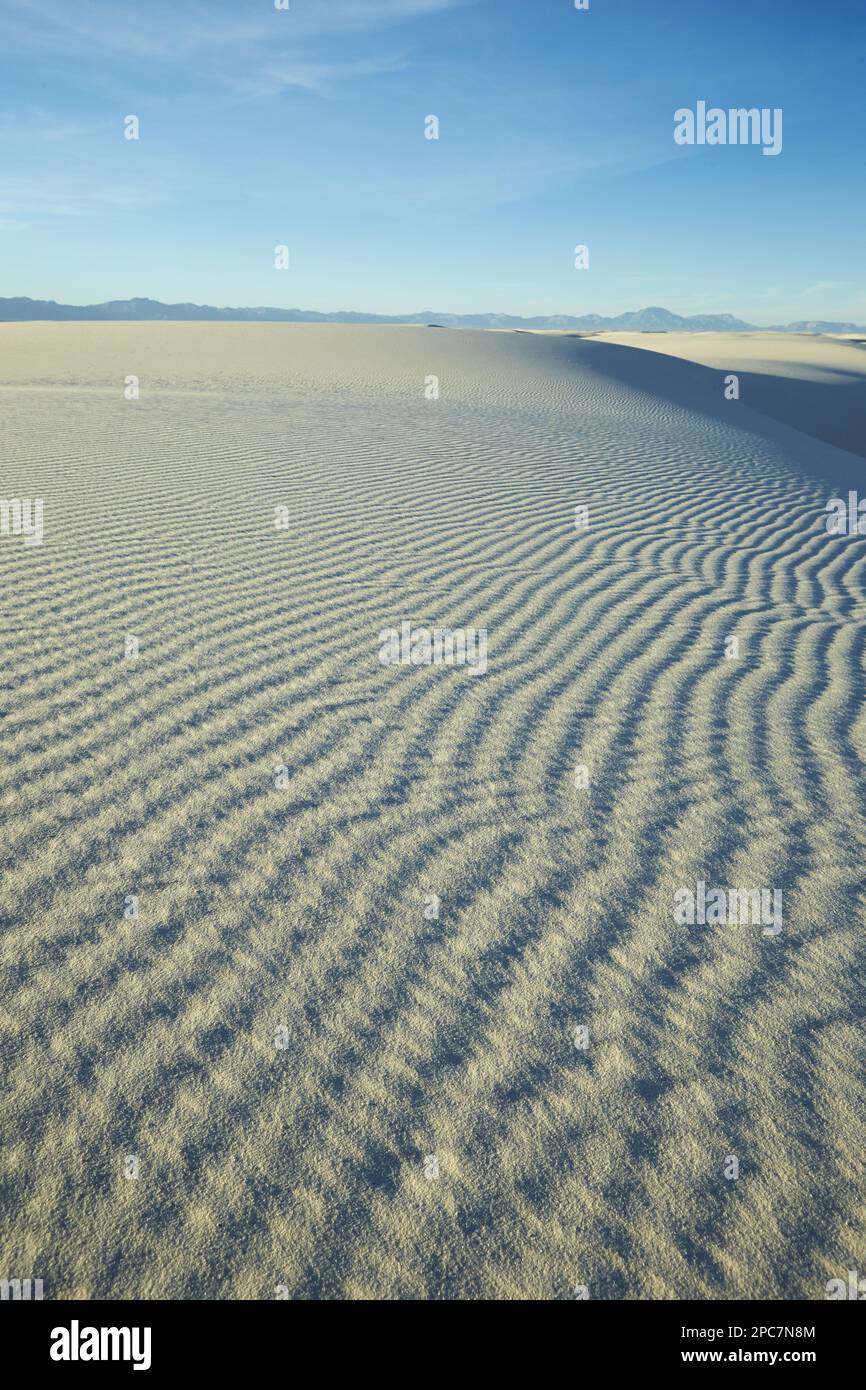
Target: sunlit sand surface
<point>287,1034</point>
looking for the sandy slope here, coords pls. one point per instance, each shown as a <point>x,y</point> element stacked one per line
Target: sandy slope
<point>817,384</point>
<point>302,907</point>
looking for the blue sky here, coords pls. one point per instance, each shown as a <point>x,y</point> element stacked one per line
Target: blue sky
<point>305,127</point>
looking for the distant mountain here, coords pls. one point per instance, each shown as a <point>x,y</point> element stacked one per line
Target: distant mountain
<point>818,326</point>
<point>651,320</point>
<point>655,320</point>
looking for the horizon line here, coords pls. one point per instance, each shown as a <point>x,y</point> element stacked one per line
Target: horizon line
<point>589,319</point>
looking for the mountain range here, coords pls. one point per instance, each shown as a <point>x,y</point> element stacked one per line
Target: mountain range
<point>651,320</point>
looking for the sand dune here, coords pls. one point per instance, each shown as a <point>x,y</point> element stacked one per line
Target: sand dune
<point>286,1035</point>
<point>816,384</point>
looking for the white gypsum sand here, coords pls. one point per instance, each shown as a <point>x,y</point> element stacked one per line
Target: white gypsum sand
<point>283,1037</point>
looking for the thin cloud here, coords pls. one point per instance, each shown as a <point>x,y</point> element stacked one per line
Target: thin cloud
<point>25,198</point>
<point>825,285</point>
<point>168,34</point>
<point>37,126</point>
<point>319,78</point>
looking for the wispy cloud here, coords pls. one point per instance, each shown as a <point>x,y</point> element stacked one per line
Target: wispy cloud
<point>36,126</point>
<point>59,196</point>
<point>169,33</point>
<point>320,78</point>
<point>246,47</point>
<point>824,285</point>
<point>343,16</point>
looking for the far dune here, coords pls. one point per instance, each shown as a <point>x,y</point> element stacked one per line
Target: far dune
<point>812,382</point>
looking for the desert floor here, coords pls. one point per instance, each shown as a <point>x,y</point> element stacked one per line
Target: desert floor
<point>287,1043</point>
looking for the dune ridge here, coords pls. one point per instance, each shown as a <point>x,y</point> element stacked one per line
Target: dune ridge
<point>301,1167</point>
